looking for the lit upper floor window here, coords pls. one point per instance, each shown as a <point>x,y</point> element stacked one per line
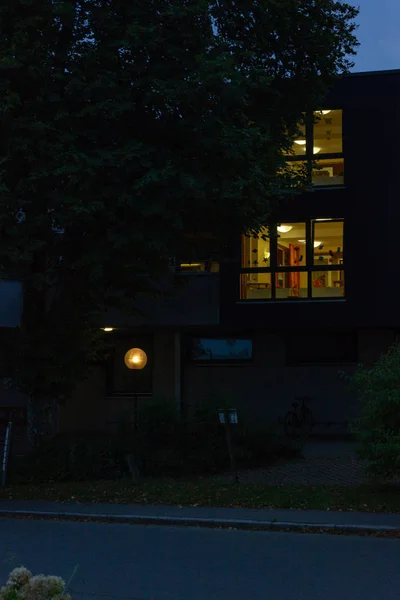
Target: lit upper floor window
<point>295,261</point>
<point>319,144</point>
<point>198,253</point>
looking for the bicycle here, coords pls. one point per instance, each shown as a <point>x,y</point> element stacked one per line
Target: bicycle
<point>299,422</point>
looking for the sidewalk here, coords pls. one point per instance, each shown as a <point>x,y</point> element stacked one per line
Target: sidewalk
<point>240,518</point>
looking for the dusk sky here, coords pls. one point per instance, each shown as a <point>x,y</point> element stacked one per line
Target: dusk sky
<point>378,33</point>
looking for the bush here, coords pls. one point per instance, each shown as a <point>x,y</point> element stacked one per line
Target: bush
<point>378,428</point>
<point>164,445</point>
<point>71,457</point>
<point>21,585</point>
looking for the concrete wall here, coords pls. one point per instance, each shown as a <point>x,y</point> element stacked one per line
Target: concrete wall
<point>264,390</point>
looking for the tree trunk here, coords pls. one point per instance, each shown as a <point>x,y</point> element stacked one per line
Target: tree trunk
<point>42,420</point>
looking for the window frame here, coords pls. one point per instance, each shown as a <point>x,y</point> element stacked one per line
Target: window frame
<point>309,158</point>
<point>226,362</point>
<point>308,267</point>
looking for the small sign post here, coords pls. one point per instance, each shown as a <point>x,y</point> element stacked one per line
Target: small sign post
<point>228,418</point>
<point>6,454</point>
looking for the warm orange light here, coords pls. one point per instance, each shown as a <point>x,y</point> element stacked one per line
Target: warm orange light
<point>108,328</point>
<point>135,358</point>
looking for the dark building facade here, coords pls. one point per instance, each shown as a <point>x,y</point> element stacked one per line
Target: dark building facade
<point>289,311</point>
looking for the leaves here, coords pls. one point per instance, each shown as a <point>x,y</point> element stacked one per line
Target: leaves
<point>378,428</point>
<point>124,125</point>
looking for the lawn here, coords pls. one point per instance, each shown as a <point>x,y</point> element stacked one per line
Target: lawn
<point>211,492</point>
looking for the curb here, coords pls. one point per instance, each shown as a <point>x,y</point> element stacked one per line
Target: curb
<point>245,524</point>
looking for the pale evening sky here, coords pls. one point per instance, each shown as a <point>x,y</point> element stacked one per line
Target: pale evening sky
<point>378,34</point>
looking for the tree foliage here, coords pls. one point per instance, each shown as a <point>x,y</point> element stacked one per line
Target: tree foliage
<point>125,124</point>
<point>378,428</point>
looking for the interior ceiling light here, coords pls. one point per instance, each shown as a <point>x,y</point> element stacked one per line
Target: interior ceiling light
<point>303,143</point>
<point>284,228</point>
<point>316,244</point>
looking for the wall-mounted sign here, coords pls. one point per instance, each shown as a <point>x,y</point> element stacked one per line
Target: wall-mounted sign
<point>11,297</point>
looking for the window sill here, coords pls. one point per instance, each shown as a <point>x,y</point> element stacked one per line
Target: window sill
<point>294,301</point>
<point>200,273</point>
<point>127,395</point>
<point>336,364</point>
<point>223,364</point>
<point>327,187</point>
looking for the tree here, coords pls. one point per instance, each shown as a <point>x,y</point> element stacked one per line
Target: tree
<point>124,125</point>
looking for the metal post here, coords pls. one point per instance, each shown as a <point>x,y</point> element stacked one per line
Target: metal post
<point>232,457</point>
<point>6,454</point>
<point>135,412</point>
<point>227,418</point>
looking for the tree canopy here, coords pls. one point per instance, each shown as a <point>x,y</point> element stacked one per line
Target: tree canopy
<point>125,124</point>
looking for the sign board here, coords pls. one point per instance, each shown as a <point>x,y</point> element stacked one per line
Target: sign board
<point>11,297</point>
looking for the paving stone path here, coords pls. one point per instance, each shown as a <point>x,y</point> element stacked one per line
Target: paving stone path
<point>313,471</point>
<point>323,464</point>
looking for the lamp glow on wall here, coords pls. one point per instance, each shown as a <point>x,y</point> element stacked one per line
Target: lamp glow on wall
<point>135,358</point>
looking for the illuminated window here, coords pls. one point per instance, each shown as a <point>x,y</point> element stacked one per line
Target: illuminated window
<point>198,253</point>
<point>299,261</point>
<point>321,141</point>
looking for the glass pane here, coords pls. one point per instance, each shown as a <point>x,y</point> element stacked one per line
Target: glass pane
<point>206,349</point>
<point>299,144</point>
<point>328,242</point>
<point>291,285</point>
<point>255,286</point>
<point>291,250</point>
<point>256,251</point>
<point>328,172</point>
<point>203,266</point>
<point>328,132</point>
<point>328,284</point>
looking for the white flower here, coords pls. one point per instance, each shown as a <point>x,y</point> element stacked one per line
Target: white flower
<point>19,577</point>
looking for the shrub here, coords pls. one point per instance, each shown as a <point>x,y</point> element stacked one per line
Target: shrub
<point>378,428</point>
<point>71,457</point>
<point>22,585</point>
<point>163,445</point>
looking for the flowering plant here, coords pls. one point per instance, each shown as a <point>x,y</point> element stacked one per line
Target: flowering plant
<point>22,585</point>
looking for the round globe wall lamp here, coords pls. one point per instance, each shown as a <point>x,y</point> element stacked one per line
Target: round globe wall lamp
<point>135,358</point>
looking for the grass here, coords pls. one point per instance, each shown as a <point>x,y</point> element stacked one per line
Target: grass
<point>211,492</point>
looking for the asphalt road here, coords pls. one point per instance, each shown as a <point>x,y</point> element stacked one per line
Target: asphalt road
<point>109,561</point>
